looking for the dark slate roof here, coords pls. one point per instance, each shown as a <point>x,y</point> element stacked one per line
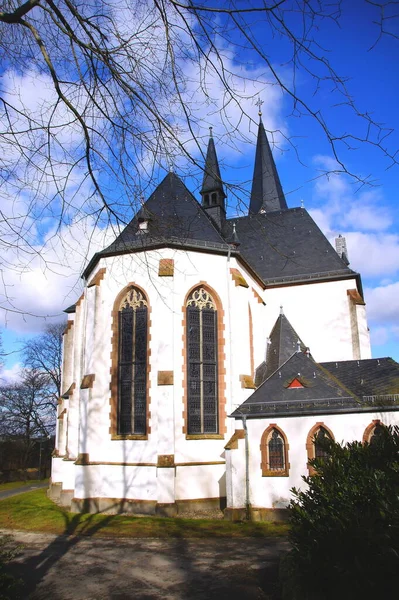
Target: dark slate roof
<point>71,309</point>
<point>282,343</point>
<point>369,377</point>
<point>174,218</point>
<point>286,246</point>
<point>267,193</point>
<point>280,247</point>
<point>323,393</point>
<point>212,180</point>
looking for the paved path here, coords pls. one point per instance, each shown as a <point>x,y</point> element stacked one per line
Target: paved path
<point>71,568</point>
<point>21,490</point>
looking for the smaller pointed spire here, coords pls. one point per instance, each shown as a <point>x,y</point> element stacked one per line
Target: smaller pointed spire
<point>212,192</point>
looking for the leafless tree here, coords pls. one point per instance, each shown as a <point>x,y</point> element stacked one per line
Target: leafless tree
<point>27,411</point>
<point>43,355</point>
<point>120,88</point>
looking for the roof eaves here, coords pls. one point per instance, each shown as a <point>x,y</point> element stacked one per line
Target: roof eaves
<point>314,411</point>
<point>312,278</point>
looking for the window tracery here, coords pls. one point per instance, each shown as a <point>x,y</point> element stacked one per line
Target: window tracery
<point>132,363</point>
<point>202,365</point>
<point>274,451</point>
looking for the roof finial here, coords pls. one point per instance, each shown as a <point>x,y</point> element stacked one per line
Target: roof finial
<point>211,131</point>
<point>302,203</point>
<point>281,310</point>
<point>259,105</point>
<point>234,239</point>
<point>298,346</point>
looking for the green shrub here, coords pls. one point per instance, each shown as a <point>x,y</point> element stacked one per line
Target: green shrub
<point>345,526</point>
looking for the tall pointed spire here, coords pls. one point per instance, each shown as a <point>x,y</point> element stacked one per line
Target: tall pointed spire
<point>212,191</point>
<point>266,194</point>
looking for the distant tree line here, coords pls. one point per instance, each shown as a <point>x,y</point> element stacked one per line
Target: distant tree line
<point>28,406</point>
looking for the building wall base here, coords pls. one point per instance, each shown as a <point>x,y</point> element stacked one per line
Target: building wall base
<point>280,515</point>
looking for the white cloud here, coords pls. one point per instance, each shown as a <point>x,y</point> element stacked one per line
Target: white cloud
<point>373,254</point>
<point>12,375</point>
<point>379,336</point>
<point>46,284</point>
<point>383,304</point>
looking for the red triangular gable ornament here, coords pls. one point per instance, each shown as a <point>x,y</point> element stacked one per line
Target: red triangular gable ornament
<point>295,383</point>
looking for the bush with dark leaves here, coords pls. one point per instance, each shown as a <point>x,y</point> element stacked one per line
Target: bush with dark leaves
<point>345,525</point>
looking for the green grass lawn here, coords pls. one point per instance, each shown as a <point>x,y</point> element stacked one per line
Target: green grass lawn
<point>17,484</point>
<point>33,511</point>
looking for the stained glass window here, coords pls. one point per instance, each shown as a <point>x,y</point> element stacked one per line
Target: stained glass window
<point>202,371</point>
<point>132,364</point>
<point>321,434</point>
<point>276,451</point>
<point>377,432</point>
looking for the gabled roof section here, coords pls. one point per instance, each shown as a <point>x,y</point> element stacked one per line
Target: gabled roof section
<point>174,217</point>
<point>321,391</point>
<point>329,388</point>
<point>212,180</point>
<point>286,247</point>
<point>267,193</point>
<point>369,377</point>
<point>281,345</point>
<point>283,342</point>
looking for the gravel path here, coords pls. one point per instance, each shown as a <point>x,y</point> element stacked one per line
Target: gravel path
<point>78,568</point>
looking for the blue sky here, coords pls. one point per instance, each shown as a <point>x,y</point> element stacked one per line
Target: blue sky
<point>367,215</point>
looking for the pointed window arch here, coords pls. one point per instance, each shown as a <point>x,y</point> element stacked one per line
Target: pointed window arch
<point>313,449</point>
<point>202,363</point>
<point>373,432</point>
<point>132,363</point>
<point>274,451</point>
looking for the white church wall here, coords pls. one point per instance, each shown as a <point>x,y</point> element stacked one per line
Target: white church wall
<point>364,332</point>
<point>92,355</point>
<point>200,481</point>
<point>311,309</point>
<point>320,314</point>
<point>274,492</point>
<point>118,481</point>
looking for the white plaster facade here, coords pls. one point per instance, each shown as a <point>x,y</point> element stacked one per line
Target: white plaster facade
<point>274,492</point>
<point>94,471</point>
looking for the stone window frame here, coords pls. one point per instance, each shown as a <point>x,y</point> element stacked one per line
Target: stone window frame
<point>221,360</point>
<point>310,446</point>
<point>368,432</point>
<point>264,449</point>
<point>114,399</point>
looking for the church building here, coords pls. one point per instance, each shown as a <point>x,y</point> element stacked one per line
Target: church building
<point>207,356</point>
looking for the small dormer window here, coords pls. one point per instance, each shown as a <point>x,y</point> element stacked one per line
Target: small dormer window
<point>143,226</point>
<point>214,198</point>
<point>206,200</point>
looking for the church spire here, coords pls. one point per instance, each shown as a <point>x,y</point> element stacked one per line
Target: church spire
<point>212,191</point>
<point>266,194</point>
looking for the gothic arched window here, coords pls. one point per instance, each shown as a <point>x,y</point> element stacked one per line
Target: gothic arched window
<point>274,451</point>
<point>319,451</point>
<point>202,363</point>
<point>132,363</point>
<point>373,432</point>
<point>313,446</point>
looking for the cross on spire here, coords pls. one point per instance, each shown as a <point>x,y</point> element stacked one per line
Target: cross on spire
<point>259,103</point>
